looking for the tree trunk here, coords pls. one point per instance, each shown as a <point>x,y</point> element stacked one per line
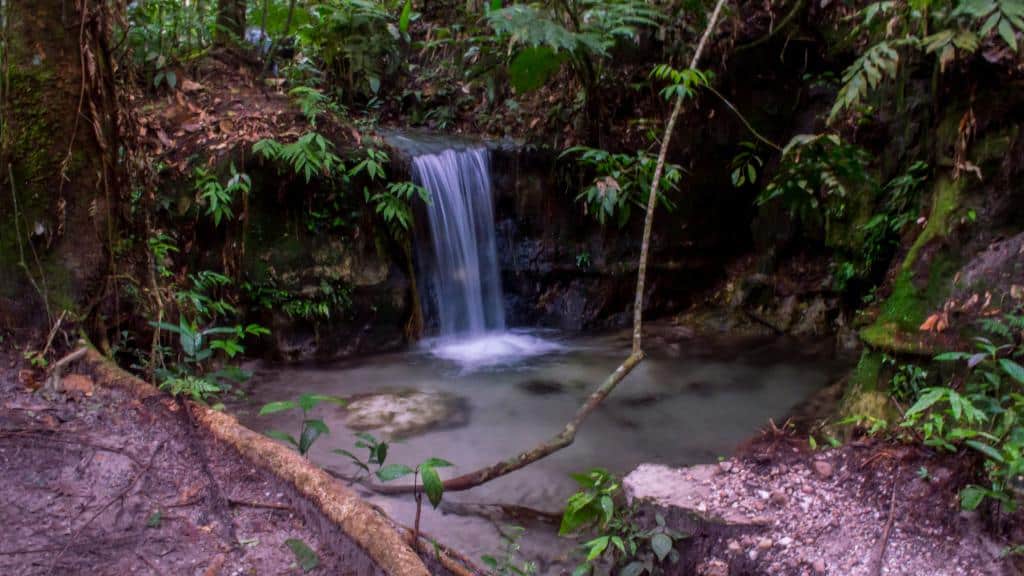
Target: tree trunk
<point>230,20</point>
<point>57,166</point>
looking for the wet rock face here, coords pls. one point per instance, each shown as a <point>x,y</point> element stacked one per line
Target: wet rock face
<point>998,270</point>
<point>561,268</point>
<point>405,413</point>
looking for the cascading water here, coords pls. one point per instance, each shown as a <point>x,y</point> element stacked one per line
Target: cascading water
<point>461,262</point>
<point>464,275</point>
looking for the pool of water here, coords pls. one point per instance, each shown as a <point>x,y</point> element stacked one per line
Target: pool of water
<point>688,402</point>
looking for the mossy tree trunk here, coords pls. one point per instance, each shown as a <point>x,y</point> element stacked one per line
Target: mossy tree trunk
<point>57,159</point>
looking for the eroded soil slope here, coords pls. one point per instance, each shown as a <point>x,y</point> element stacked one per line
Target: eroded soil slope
<point>94,482</point>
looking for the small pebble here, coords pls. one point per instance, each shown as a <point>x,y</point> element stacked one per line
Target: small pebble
<point>823,469</point>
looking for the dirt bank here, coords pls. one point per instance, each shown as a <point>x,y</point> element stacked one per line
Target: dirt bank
<point>865,509</point>
<point>96,481</point>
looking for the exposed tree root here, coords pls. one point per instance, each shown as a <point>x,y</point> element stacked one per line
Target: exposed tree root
<point>879,560</point>
<point>121,494</point>
<point>218,502</point>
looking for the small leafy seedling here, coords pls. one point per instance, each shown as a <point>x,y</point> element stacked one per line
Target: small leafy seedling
<point>507,562</point>
<point>305,557</point>
<point>378,452</point>
<point>619,540</point>
<point>432,484</point>
<point>312,428</point>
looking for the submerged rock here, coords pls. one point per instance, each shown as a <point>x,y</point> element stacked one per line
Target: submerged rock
<point>405,413</point>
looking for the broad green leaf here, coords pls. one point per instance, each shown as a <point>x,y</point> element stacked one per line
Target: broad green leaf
<point>1007,34</point>
<point>987,450</point>
<point>403,20</point>
<point>311,430</point>
<point>305,557</point>
<point>597,546</point>
<point>272,407</point>
<point>952,356</point>
<point>608,508</point>
<point>283,436</point>
<point>971,497</point>
<point>393,472</point>
<point>1012,369</point>
<point>436,463</point>
<point>930,397</point>
<point>432,485</point>
<point>662,545</point>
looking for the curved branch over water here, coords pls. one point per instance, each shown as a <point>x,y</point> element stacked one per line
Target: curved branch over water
<point>568,434</point>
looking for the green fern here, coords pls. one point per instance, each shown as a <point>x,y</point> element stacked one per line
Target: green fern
<point>310,156</point>
<point>393,204</point>
<point>312,102</point>
<point>1004,16</point>
<point>880,62</point>
<point>196,387</point>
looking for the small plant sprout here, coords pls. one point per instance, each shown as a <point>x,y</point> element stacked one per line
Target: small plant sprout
<point>619,541</point>
<point>312,428</point>
<point>507,562</point>
<point>432,485</point>
<point>378,452</point>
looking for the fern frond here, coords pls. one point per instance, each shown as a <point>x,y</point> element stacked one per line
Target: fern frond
<point>879,63</point>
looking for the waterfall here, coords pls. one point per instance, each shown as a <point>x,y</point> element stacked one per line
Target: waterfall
<point>459,262</point>
<point>462,265</point>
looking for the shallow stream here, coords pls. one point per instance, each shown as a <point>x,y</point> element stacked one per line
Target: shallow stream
<point>474,403</point>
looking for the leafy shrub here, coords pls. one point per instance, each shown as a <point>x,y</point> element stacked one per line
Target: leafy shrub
<point>218,197</point>
<point>507,563</point>
<point>984,414</point>
<point>190,372</point>
<point>623,182</point>
<point>357,41</point>
<point>311,155</point>
<point>813,177</point>
<point>545,36</point>
<point>619,541</point>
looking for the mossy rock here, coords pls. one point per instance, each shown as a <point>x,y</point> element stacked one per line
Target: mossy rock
<point>922,282</point>
<point>865,394</point>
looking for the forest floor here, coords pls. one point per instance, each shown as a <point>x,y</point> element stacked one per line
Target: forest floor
<point>868,508</point>
<point>96,482</point>
<point>223,107</point>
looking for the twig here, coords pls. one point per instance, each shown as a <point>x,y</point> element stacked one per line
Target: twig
<point>452,560</point>
<point>782,24</point>
<point>21,247</point>
<point>156,569</point>
<point>743,119</point>
<point>71,357</point>
<point>879,559</point>
<point>47,435</point>
<point>121,494</point>
<point>53,379</point>
<point>248,504</point>
<point>53,332</point>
